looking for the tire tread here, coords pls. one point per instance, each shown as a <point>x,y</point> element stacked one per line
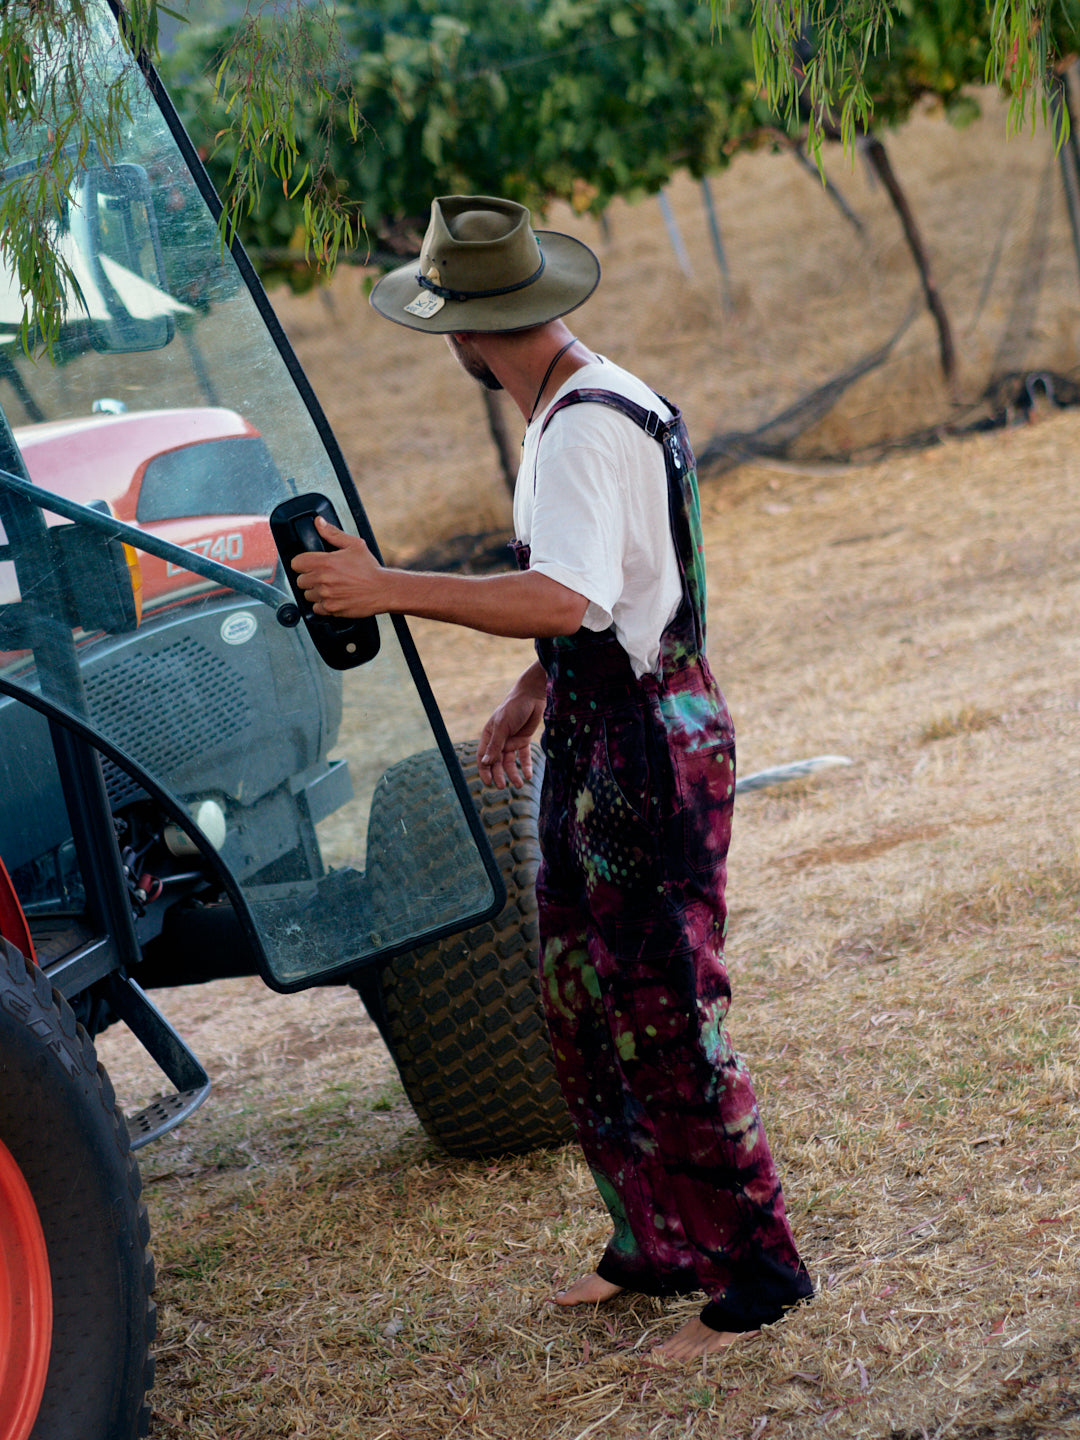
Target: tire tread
<point>475,995</point>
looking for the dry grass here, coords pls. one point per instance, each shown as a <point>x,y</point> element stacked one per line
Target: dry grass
<point>966,721</point>
<point>906,957</point>
<point>324,1272</point>
<point>905,947</point>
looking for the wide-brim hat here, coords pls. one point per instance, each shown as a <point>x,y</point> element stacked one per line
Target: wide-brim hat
<point>482,267</point>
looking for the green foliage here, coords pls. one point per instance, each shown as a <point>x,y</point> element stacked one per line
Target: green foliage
<point>63,101</point>
<point>297,54</point>
<point>67,96</point>
<point>945,47</point>
<point>584,100</point>
<point>655,94</point>
<point>316,121</point>
<point>859,59</point>
<point>936,47</point>
<point>535,99</point>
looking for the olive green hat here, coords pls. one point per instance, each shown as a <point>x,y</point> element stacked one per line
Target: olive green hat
<point>482,267</point>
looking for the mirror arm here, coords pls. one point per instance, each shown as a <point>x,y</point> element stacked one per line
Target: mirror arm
<point>287,612</point>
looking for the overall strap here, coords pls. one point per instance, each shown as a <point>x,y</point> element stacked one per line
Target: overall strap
<point>649,420</point>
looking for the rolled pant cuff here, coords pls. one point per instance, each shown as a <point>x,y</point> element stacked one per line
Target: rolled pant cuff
<point>615,1273</point>
<point>761,1309</point>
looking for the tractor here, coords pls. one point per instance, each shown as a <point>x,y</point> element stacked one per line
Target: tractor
<point>199,778</point>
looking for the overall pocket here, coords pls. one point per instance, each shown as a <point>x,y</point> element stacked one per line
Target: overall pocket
<point>701,743</point>
<point>622,769</point>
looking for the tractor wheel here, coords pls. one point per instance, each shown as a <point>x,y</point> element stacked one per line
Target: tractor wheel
<point>462,1017</point>
<point>76,1317</point>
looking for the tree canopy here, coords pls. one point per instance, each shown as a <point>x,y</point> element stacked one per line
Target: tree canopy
<point>576,99</point>
<point>587,99</point>
<point>318,120</point>
<point>863,58</point>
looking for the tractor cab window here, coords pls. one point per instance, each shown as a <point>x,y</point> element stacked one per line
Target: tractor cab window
<point>325,804</point>
<point>234,476</point>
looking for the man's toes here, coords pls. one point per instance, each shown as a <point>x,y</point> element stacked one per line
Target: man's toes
<point>589,1290</point>
<point>694,1340</point>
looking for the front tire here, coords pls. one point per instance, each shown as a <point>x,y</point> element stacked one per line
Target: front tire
<point>78,1189</point>
<point>462,1017</point>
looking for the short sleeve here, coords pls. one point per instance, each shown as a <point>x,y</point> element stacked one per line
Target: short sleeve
<point>577,528</point>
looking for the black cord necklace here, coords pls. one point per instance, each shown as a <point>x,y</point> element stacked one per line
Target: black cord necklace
<point>547,376</point>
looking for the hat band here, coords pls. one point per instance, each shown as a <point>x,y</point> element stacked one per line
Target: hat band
<point>445,294</point>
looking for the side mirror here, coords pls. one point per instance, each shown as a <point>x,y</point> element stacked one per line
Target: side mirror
<point>101,576</point>
<point>116,228</point>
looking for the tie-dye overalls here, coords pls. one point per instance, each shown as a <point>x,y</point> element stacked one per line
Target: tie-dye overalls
<point>635,821</point>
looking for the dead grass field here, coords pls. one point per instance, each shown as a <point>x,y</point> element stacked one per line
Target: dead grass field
<point>905,946</point>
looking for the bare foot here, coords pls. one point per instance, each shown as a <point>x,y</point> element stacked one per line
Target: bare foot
<point>589,1290</point>
<point>695,1339</point>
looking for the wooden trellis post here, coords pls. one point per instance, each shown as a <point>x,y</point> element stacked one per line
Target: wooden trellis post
<point>717,243</point>
<point>1063,109</point>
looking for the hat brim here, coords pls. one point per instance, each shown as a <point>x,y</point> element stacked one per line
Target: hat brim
<point>571,273</point>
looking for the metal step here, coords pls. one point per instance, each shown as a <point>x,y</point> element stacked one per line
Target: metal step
<point>162,1114</point>
<point>169,1053</point>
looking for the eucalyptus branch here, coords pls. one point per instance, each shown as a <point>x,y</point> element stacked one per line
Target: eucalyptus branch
<point>1023,47</point>
<point>67,92</point>
<point>64,100</point>
<point>296,53</point>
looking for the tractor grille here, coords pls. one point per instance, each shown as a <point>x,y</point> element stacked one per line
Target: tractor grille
<point>165,707</point>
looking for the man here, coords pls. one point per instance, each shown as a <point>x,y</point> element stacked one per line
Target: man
<point>638,791</point>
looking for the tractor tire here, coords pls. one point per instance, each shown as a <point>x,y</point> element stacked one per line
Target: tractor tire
<point>462,1017</point>
<point>74,1228</point>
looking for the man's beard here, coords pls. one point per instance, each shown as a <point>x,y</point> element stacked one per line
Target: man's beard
<point>474,366</point>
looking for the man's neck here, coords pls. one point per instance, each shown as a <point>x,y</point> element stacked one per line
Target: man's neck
<point>530,366</point>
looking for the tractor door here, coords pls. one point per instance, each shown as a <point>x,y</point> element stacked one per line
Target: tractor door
<point>142,601</point>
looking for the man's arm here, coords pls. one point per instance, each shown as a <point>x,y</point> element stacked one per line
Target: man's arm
<point>349,581</point>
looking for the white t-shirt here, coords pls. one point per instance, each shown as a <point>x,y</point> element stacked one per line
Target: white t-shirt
<point>592,504</point>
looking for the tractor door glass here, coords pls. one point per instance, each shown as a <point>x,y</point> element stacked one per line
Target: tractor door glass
<point>173,402</point>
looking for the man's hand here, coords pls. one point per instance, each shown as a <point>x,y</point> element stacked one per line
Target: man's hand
<point>347,580</point>
<point>504,755</point>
